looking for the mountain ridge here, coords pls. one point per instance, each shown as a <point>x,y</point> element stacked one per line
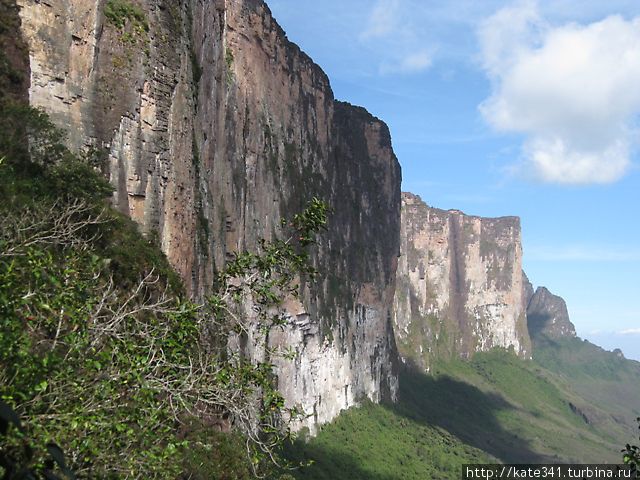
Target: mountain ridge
<point>212,126</point>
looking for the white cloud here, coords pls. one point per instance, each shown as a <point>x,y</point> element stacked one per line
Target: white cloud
<point>411,63</point>
<point>416,62</point>
<point>392,35</point>
<point>382,20</point>
<point>571,89</point>
<point>631,331</point>
<point>506,34</point>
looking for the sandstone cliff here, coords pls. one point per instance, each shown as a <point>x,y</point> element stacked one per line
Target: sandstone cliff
<point>460,286</point>
<point>527,289</point>
<point>14,55</point>
<point>547,315</point>
<point>213,126</point>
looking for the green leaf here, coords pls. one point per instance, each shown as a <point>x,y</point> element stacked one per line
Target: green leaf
<point>42,386</point>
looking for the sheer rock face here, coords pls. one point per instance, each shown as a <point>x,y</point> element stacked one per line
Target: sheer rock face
<point>213,127</point>
<point>14,55</point>
<point>460,284</point>
<point>547,315</point>
<point>527,290</point>
<point>128,94</point>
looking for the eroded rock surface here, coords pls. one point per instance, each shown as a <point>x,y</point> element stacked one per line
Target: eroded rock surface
<point>547,315</point>
<point>460,284</point>
<point>213,127</point>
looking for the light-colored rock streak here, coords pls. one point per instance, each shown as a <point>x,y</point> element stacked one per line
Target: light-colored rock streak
<point>62,36</point>
<point>460,284</point>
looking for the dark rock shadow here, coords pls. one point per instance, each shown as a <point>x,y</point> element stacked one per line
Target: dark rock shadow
<point>464,411</point>
<point>537,323</point>
<point>332,464</point>
<point>443,402</point>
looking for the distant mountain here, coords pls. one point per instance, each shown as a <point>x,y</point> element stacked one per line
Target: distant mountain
<point>628,342</point>
<point>459,285</point>
<point>606,383</point>
<point>547,315</point>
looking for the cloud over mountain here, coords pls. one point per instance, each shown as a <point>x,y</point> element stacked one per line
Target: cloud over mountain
<point>571,89</point>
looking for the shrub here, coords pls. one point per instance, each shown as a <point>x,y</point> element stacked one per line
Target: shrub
<point>631,456</point>
<point>120,13</point>
<point>99,351</point>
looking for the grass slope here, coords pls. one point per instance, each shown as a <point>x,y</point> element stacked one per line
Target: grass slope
<point>605,386</point>
<point>573,403</point>
<point>375,442</point>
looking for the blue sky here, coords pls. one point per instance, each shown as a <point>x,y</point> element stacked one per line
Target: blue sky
<point>508,108</point>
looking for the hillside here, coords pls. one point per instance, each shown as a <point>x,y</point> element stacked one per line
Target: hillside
<point>573,403</point>
<point>167,310</point>
<point>607,386</point>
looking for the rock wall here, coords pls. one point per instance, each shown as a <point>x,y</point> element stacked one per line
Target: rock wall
<point>460,284</point>
<point>213,127</point>
<point>125,91</point>
<point>548,316</point>
<point>527,289</point>
<point>14,55</point>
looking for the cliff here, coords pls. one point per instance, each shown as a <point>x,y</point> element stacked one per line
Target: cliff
<point>460,285</point>
<point>212,127</point>
<point>547,315</point>
<point>527,289</point>
<point>14,55</point>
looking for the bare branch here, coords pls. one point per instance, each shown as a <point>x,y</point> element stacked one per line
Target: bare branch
<point>59,224</point>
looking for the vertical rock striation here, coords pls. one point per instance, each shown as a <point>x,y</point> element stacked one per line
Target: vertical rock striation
<point>460,284</point>
<point>125,91</point>
<point>213,127</point>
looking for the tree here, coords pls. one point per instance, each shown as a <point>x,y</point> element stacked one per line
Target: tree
<point>631,456</point>
<point>14,461</point>
<point>100,351</point>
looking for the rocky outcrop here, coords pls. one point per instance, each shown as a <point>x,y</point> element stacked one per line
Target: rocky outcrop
<point>460,284</point>
<point>213,127</point>
<point>527,290</point>
<point>547,315</point>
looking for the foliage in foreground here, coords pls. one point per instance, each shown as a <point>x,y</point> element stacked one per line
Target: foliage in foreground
<point>100,352</point>
<point>631,456</point>
<point>16,464</point>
